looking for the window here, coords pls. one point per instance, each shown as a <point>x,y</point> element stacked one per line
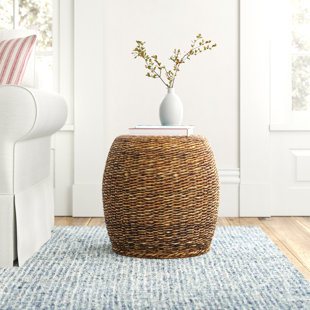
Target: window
<point>36,15</point>
<point>301,55</point>
<point>289,35</point>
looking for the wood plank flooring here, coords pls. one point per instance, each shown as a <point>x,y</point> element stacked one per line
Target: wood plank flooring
<point>290,234</point>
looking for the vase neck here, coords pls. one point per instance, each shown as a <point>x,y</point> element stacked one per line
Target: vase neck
<point>170,90</point>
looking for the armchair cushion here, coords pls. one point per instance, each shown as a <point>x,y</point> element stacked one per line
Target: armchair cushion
<point>14,56</point>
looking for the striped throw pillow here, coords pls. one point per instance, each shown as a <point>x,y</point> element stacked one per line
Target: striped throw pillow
<point>14,56</point>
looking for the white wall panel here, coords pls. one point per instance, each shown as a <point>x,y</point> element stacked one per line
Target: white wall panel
<point>66,56</point>
<point>63,172</point>
<point>229,192</point>
<point>254,108</point>
<point>62,142</point>
<point>89,119</point>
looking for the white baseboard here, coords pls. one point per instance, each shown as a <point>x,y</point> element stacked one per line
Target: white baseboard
<point>229,200</point>
<point>229,176</point>
<point>229,192</point>
<point>255,200</point>
<point>87,200</point>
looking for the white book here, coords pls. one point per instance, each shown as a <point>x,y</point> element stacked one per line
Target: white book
<point>149,130</point>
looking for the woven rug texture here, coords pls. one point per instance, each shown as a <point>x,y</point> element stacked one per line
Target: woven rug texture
<point>77,269</point>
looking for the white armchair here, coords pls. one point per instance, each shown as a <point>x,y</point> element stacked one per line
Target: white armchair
<point>28,118</point>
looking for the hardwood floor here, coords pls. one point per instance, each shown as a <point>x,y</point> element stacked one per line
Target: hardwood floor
<point>290,234</point>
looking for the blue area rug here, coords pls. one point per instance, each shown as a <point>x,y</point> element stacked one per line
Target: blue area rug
<point>77,269</point>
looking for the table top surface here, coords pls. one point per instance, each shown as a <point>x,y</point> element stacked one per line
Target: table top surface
<point>161,138</point>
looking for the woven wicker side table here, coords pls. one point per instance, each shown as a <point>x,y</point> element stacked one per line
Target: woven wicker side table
<point>160,196</point>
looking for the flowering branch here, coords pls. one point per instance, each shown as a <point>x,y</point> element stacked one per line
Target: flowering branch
<point>155,69</point>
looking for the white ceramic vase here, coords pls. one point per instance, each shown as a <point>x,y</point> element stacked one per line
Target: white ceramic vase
<point>171,109</point>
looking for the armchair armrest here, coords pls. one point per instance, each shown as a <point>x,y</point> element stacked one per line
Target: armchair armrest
<point>25,114</point>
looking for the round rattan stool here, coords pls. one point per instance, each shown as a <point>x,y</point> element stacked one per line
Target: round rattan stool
<point>160,196</point>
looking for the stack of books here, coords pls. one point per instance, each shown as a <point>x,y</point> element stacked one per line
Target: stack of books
<point>143,130</point>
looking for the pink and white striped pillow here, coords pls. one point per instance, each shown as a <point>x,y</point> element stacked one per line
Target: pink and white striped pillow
<point>14,56</point>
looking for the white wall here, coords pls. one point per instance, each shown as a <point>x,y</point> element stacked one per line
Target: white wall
<point>89,124</point>
<point>208,85</point>
<point>255,184</point>
<point>113,93</point>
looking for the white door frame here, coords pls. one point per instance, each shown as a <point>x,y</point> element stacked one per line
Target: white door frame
<point>88,108</point>
<point>255,176</point>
